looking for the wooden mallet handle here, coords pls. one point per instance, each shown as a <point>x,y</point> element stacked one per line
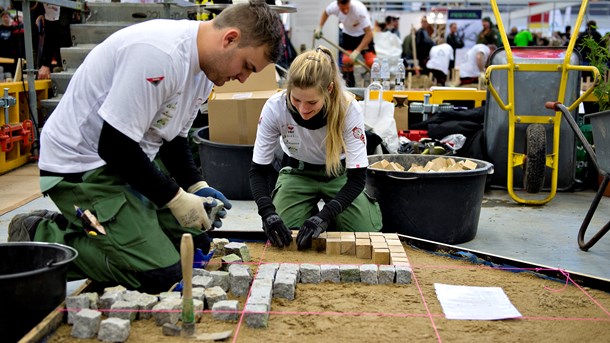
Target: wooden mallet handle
<point>186,259</point>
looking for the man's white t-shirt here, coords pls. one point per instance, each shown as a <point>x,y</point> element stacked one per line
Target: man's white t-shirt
<point>144,80</point>
<point>440,56</point>
<point>303,144</point>
<point>355,21</point>
<point>470,68</point>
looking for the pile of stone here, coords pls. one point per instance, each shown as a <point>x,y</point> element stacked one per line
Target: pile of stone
<point>439,164</point>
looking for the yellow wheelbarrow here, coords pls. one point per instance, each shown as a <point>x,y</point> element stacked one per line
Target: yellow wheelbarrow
<point>520,81</point>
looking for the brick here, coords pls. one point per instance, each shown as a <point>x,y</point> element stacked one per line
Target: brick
<point>333,246</point>
<point>390,236</point>
<point>386,274</point>
<point>363,249</point>
<point>377,239</point>
<point>403,274</point>
<point>86,323</point>
<point>348,244</point>
<point>368,274</point>
<point>333,234</point>
<point>330,273</point>
<point>310,273</point>
<point>349,273</point>
<point>362,235</point>
<point>381,256</point>
<point>114,330</point>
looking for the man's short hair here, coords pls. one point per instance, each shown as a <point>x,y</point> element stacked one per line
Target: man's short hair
<point>258,25</point>
<point>343,2</point>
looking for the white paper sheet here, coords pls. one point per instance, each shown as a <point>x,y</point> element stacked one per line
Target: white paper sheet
<point>475,303</point>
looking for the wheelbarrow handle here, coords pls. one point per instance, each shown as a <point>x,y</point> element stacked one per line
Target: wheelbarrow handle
<point>552,105</point>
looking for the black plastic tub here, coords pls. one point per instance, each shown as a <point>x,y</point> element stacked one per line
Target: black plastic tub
<point>438,206</point>
<point>32,284</point>
<point>225,166</point>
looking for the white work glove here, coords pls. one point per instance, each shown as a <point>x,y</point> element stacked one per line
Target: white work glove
<point>317,33</point>
<point>214,202</point>
<point>189,211</point>
<point>354,55</point>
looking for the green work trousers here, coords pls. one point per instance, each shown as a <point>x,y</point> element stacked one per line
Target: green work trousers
<point>297,193</point>
<point>139,238</point>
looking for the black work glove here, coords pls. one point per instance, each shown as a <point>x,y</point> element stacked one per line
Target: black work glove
<point>312,228</point>
<point>276,231</point>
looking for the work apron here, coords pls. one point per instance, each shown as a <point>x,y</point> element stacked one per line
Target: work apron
<point>139,236</point>
<point>298,191</point>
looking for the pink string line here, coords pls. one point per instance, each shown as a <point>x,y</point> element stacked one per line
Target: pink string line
<point>241,317</point>
<point>423,298</point>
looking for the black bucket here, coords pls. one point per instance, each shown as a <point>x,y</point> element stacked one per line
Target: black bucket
<point>438,206</point>
<point>32,284</point>
<point>225,166</point>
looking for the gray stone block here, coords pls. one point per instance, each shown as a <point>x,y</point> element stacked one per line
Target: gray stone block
<point>310,273</point>
<point>330,273</point>
<point>198,308</point>
<point>220,279</point>
<point>124,310</point>
<point>109,298</point>
<point>368,274</point>
<point>239,249</point>
<point>213,295</point>
<point>86,323</point>
<point>200,272</point>
<point>386,274</point>
<point>226,310</point>
<point>291,268</point>
<point>257,316</point>
<point>403,274</point>
<point>145,303</point>
<point>94,299</point>
<point>167,311</point>
<point>262,289</point>
<point>168,295</point>
<point>219,246</point>
<point>76,303</point>
<point>349,273</point>
<point>203,281</point>
<point>199,293</point>
<point>284,286</point>
<point>114,330</point>
<point>267,271</point>
<point>171,330</point>
<point>229,260</point>
<point>239,279</point>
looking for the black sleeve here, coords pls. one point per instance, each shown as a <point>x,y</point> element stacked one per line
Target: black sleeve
<point>259,184</point>
<point>356,179</point>
<point>125,157</point>
<point>178,160</point>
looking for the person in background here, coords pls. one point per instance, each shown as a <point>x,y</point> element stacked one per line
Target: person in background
<point>391,24</point>
<point>320,128</point>
<point>489,34</point>
<point>474,63</point>
<point>455,40</point>
<point>8,42</point>
<point>424,42</point>
<point>566,35</point>
<point>440,57</point>
<point>134,98</point>
<point>56,36</point>
<point>356,36</point>
<point>524,38</point>
<point>511,35</point>
<point>590,32</point>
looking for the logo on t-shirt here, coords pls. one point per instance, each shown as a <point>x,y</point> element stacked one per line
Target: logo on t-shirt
<point>358,134</point>
<point>155,80</point>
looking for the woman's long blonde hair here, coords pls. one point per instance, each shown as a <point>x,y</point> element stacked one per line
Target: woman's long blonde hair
<point>317,69</point>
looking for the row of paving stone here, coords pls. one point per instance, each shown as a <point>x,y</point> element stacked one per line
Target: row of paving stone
<point>209,291</point>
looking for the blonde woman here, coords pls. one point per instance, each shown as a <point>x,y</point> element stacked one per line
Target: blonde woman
<point>320,128</point>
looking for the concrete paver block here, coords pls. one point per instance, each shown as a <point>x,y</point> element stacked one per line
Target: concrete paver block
<point>86,323</point>
<point>114,330</point>
<point>330,273</point>
<point>226,310</point>
<point>368,274</point>
<point>310,273</point>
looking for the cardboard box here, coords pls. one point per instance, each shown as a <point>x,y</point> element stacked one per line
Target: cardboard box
<point>234,108</point>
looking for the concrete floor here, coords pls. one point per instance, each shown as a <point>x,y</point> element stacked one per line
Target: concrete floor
<point>539,235</point>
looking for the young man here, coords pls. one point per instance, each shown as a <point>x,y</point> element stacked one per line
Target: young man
<point>474,63</point>
<point>357,33</point>
<point>134,98</point>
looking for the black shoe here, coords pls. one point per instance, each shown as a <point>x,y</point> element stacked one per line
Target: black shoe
<point>22,227</point>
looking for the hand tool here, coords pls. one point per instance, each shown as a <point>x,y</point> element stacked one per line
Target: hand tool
<point>186,260</point>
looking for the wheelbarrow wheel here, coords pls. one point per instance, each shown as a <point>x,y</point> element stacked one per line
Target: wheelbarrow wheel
<point>535,160</point>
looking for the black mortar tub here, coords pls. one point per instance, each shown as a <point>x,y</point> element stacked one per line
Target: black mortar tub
<point>225,166</point>
<point>32,284</point>
<point>438,206</point>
